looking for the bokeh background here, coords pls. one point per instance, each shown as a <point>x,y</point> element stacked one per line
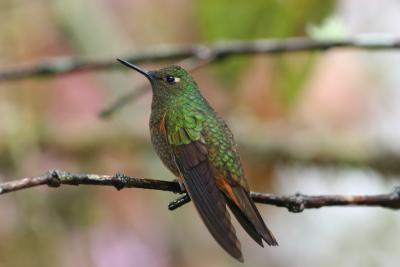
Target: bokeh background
<point>307,122</point>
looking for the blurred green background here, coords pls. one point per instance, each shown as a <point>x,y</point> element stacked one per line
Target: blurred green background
<point>305,122</point>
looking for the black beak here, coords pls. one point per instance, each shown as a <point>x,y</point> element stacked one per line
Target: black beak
<point>138,69</point>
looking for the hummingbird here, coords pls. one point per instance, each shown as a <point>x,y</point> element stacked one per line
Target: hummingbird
<point>197,146</point>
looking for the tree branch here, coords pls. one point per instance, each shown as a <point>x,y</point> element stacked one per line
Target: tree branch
<point>294,203</point>
<point>123,100</point>
<point>216,51</point>
<point>56,178</point>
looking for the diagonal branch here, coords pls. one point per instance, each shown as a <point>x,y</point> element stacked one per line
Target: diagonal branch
<point>218,50</point>
<point>123,100</point>
<point>294,203</point>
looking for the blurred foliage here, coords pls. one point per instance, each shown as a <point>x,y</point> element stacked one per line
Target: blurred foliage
<point>292,72</point>
<point>332,28</point>
<point>262,19</point>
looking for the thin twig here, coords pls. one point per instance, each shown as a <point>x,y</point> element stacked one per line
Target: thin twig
<point>123,100</point>
<point>299,202</point>
<point>219,50</point>
<point>295,203</point>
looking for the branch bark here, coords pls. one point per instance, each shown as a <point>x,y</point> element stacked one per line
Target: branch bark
<point>216,51</point>
<point>294,203</point>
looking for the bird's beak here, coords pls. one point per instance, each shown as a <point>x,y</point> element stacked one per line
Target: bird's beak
<point>138,69</point>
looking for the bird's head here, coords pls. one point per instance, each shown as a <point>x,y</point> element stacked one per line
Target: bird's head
<point>169,82</point>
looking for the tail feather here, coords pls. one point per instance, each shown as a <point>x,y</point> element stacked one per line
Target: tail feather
<point>249,217</point>
<point>246,224</point>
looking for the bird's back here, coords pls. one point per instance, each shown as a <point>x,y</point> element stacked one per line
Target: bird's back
<point>223,155</point>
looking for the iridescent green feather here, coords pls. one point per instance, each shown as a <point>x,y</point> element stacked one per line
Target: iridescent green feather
<point>190,121</point>
<point>183,126</point>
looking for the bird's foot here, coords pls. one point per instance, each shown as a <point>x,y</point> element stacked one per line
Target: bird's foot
<point>181,185</point>
<point>179,202</point>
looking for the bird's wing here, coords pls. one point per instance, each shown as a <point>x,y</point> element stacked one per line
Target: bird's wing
<point>183,132</point>
<point>232,182</point>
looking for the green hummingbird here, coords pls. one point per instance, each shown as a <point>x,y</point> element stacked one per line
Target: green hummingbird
<point>197,146</point>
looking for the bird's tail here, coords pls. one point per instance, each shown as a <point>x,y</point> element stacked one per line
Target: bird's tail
<point>245,211</point>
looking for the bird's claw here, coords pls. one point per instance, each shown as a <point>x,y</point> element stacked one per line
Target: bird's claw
<point>181,185</point>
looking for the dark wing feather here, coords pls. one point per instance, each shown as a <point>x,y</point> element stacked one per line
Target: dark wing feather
<point>209,201</point>
<point>249,217</point>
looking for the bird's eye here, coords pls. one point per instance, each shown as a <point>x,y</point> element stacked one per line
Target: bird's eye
<point>172,79</point>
